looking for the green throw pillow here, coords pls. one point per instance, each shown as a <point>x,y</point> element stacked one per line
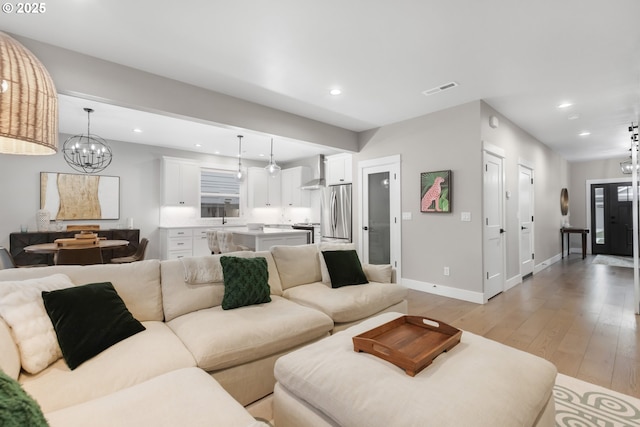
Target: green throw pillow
<point>17,408</point>
<point>246,281</point>
<point>344,268</point>
<point>88,319</point>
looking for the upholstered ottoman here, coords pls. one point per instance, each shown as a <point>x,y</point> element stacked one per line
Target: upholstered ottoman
<point>477,383</point>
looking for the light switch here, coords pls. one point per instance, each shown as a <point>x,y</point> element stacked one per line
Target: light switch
<point>406,216</point>
<point>465,216</point>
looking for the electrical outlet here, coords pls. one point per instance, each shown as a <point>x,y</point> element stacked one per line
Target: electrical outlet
<point>446,271</point>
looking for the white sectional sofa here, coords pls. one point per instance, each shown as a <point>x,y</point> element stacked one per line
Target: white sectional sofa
<point>155,377</point>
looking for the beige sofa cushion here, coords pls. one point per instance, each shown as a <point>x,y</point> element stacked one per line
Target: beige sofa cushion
<point>221,338</point>
<point>9,355</point>
<point>180,297</point>
<point>348,303</point>
<point>297,265</point>
<point>137,283</point>
<point>382,273</point>
<point>185,397</point>
<point>145,355</point>
<point>477,383</point>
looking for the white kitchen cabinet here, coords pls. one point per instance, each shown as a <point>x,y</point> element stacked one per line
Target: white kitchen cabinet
<point>263,190</point>
<point>292,180</point>
<point>338,169</point>
<point>176,243</point>
<point>200,242</point>
<point>181,182</point>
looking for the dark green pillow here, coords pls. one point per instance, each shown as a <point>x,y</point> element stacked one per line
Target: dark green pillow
<point>17,408</point>
<point>246,281</point>
<point>344,268</point>
<point>88,319</point>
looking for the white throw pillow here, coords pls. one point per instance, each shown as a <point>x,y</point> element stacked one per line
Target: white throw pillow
<point>380,273</point>
<point>22,308</point>
<point>331,247</point>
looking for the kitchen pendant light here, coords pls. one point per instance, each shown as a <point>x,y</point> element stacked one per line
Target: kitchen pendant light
<point>239,174</point>
<point>28,102</point>
<point>87,153</point>
<point>272,168</point>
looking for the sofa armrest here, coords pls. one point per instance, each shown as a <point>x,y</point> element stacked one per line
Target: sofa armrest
<point>9,356</point>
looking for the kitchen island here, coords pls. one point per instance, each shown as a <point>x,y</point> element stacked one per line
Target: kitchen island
<point>263,239</point>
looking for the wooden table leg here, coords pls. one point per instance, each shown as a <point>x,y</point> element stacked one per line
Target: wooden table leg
<point>562,242</point>
<point>584,245</point>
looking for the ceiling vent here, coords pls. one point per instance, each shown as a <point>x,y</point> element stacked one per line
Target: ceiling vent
<point>440,88</point>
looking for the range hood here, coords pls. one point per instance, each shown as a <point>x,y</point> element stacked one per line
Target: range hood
<point>319,182</point>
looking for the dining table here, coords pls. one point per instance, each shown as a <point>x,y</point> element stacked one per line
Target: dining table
<point>52,248</point>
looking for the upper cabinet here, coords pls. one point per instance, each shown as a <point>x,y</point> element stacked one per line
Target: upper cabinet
<point>263,190</point>
<point>338,169</point>
<point>181,182</point>
<point>292,180</point>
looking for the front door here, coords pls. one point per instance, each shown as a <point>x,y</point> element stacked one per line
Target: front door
<point>493,241</point>
<point>611,219</point>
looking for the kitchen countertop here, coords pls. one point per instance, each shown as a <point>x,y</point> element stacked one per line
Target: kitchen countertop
<point>266,231</point>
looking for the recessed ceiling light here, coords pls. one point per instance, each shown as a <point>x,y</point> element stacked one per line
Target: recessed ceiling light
<point>335,92</point>
<point>565,105</point>
<point>137,130</point>
<point>198,145</point>
<point>573,116</point>
<point>261,155</point>
<point>216,152</point>
<point>585,133</point>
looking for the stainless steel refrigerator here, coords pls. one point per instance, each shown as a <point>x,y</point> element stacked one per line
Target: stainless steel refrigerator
<point>336,213</point>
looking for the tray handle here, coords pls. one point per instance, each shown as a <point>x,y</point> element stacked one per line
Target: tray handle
<point>376,348</point>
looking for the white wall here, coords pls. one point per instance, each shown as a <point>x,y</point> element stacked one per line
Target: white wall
<point>448,139</point>
<point>550,176</point>
<point>452,139</point>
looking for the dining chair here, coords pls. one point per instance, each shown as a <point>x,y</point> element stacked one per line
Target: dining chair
<point>137,256</point>
<point>212,241</point>
<point>225,240</point>
<point>6,260</point>
<point>79,256</point>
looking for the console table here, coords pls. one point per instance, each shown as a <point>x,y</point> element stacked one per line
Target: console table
<point>568,231</point>
<point>18,241</point>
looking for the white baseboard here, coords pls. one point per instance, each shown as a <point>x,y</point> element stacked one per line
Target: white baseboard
<point>444,291</point>
<point>512,282</point>
<point>546,263</point>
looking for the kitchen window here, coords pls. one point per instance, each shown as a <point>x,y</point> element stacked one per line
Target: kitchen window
<point>219,194</point>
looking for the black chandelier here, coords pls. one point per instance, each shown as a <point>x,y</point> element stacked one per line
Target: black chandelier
<point>627,165</point>
<point>87,153</point>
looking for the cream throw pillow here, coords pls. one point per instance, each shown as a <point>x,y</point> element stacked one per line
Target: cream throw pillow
<point>331,247</point>
<point>380,273</point>
<point>22,308</point>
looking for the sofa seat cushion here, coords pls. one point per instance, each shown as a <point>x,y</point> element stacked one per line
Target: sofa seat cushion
<point>478,382</point>
<point>220,338</point>
<point>145,355</point>
<point>185,397</point>
<point>348,303</point>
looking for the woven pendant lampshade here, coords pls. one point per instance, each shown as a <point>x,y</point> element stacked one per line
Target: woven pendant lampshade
<point>28,102</point>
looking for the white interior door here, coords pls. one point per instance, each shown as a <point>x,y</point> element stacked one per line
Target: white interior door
<point>379,231</point>
<point>525,209</point>
<point>493,240</point>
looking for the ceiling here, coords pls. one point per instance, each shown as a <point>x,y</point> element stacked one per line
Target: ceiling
<point>524,58</point>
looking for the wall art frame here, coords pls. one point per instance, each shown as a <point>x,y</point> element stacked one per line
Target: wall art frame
<point>436,191</point>
<point>78,196</point>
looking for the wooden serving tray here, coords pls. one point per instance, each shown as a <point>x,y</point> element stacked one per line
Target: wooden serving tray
<point>409,342</point>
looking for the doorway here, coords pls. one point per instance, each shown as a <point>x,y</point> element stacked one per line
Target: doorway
<point>379,207</point>
<point>493,230</point>
<point>611,218</point>
<point>525,212</point>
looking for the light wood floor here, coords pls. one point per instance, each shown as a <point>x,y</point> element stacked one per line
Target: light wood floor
<point>576,314</point>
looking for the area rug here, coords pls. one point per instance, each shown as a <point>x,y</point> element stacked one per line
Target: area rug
<point>581,404</point>
<point>613,260</point>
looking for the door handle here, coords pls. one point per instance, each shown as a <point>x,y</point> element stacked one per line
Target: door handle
<point>523,228</point>
<point>502,230</point>
<point>365,228</point>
